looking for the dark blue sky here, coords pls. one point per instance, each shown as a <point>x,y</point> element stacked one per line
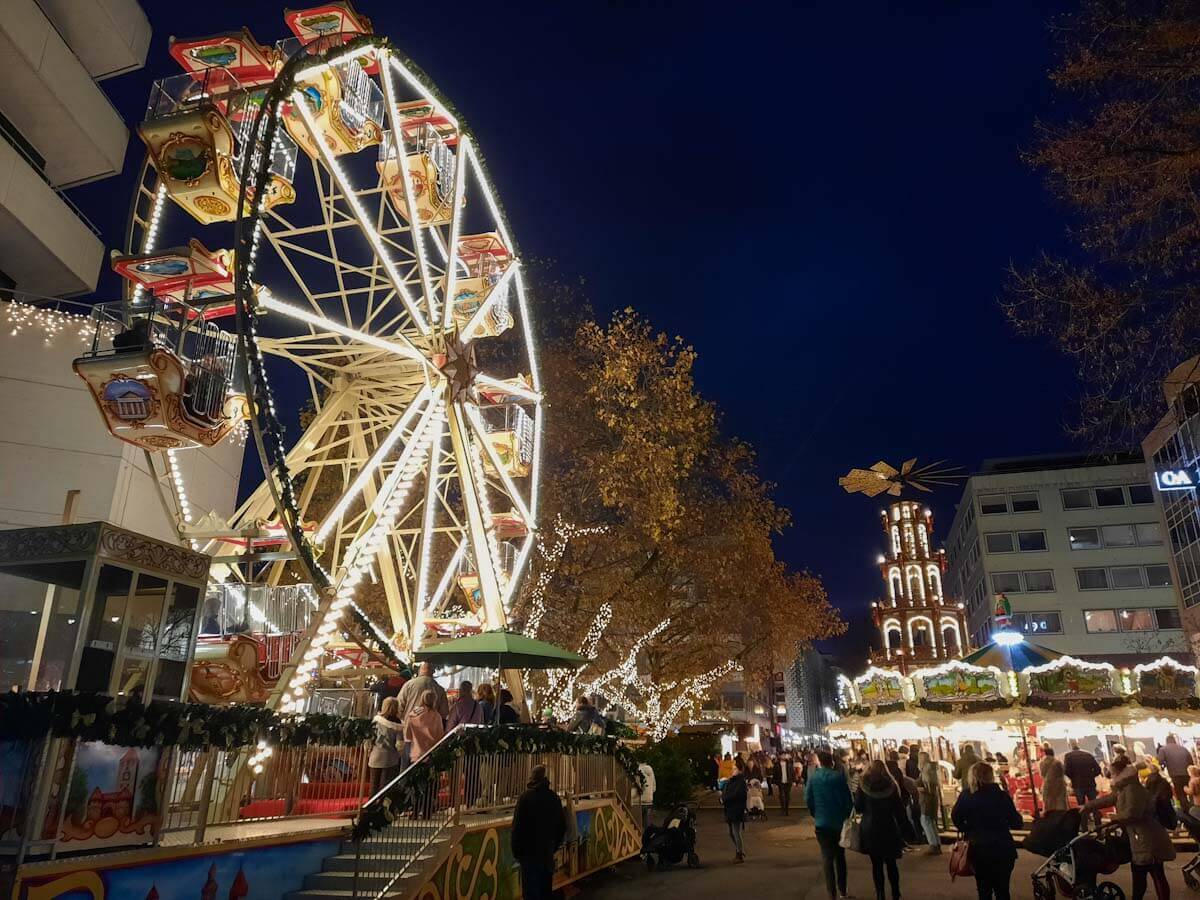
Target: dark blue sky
<point>821,197</point>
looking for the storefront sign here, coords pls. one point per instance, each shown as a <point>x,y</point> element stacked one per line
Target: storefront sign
<point>1177,479</point>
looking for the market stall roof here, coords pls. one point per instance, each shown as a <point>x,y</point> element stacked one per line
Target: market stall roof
<point>1009,655</point>
<point>504,649</point>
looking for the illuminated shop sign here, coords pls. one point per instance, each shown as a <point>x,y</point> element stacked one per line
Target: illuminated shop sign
<point>1177,479</point>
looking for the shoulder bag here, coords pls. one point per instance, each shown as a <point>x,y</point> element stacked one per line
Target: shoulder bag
<point>960,860</point>
<point>851,838</point>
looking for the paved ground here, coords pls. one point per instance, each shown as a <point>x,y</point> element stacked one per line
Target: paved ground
<point>782,861</point>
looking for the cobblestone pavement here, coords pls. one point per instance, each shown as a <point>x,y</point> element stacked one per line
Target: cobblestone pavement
<point>782,860</point>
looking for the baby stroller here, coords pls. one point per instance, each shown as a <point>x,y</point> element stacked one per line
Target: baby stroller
<point>665,845</point>
<point>1074,860</point>
<point>756,809</point>
<point>1192,824</point>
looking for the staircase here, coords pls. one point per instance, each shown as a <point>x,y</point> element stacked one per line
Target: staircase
<point>379,862</point>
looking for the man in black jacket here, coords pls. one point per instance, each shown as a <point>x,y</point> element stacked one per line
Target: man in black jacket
<point>538,828</point>
<point>1081,769</point>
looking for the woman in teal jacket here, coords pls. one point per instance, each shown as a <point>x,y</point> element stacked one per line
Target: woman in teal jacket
<point>827,796</point>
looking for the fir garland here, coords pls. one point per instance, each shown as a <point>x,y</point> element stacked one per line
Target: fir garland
<point>1170,702</point>
<point>422,779</point>
<point>1085,704</point>
<point>165,723</point>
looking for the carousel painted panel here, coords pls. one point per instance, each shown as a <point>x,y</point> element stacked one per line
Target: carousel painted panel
<point>237,55</point>
<point>1067,679</point>
<point>1165,683</point>
<point>879,688</point>
<point>958,683</point>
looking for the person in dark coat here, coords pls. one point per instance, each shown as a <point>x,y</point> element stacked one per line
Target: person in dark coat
<point>985,814</point>
<point>733,800</point>
<point>538,828</point>
<point>1081,770</point>
<point>713,770</point>
<point>895,768</point>
<point>883,824</point>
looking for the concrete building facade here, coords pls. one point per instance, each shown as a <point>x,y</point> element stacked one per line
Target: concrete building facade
<point>1077,546</point>
<point>58,129</point>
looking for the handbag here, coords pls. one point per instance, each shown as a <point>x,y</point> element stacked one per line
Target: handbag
<point>960,861</point>
<point>851,838</point>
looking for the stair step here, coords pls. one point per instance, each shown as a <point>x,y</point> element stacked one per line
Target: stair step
<point>345,880</point>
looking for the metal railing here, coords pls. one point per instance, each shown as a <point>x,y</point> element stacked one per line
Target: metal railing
<point>475,784</point>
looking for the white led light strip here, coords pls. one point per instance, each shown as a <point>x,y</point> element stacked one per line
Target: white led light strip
<point>427,526</point>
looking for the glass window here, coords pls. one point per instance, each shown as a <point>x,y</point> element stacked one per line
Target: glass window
<point>1084,538</point>
<point>1077,498</point>
<point>1091,579</point>
<point>1019,622</point>
<point>1117,535</point>
<point>1158,576</point>
<point>1100,621</point>
<point>1167,617</point>
<point>1137,620</point>
<point>1039,581</point>
<point>1031,540</point>
<point>1140,494</point>
<point>176,641</point>
<point>22,604</point>
<point>1027,502</point>
<point>1148,534</point>
<point>60,641</point>
<point>990,504</point>
<point>1125,576</point>
<point>1044,623</point>
<point>103,637</point>
<point>1110,496</point>
<point>1006,582</point>
<point>999,542</point>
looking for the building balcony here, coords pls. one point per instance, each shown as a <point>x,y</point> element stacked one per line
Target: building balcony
<point>51,99</point>
<point>45,246</point>
<point>110,37</point>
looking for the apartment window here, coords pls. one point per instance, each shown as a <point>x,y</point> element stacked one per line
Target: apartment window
<point>1167,618</point>
<point>1077,498</point>
<point>1041,623</point>
<point>1031,540</point>
<point>1125,576</point>
<point>991,504</point>
<point>1117,535</point>
<point>998,542</point>
<point>1027,502</point>
<point>1084,538</point>
<point>1148,534</point>
<point>1110,496</point>
<point>1039,581</point>
<point>1158,576</point>
<point>1140,494</point>
<point>1137,620</point>
<point>1092,579</point>
<point>1006,582</point>
<point>1100,621</point>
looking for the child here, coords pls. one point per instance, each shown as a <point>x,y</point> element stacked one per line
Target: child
<point>755,808</point>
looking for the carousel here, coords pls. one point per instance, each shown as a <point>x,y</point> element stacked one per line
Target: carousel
<point>1012,698</point>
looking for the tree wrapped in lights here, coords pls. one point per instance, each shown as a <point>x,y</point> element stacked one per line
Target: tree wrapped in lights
<point>671,527</point>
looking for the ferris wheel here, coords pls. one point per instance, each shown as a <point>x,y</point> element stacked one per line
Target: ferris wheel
<point>371,276</point>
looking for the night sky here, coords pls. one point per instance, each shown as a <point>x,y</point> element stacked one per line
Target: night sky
<point>821,197</point>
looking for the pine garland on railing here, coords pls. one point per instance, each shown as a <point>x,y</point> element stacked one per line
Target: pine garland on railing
<point>189,726</point>
<point>407,792</point>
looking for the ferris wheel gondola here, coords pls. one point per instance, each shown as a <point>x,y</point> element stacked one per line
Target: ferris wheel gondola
<point>416,468</point>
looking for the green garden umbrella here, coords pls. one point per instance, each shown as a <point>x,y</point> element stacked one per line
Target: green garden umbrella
<point>503,649</point>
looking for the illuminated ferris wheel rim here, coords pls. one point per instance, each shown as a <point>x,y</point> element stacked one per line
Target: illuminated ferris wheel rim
<point>426,351</point>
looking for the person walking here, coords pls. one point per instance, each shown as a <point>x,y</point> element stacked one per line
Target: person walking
<point>538,828</point>
<point>713,770</point>
<point>827,795</point>
<point>962,768</point>
<point>1054,782</point>
<point>466,709</point>
<point>985,814</point>
<point>882,829</point>
<point>1175,761</point>
<point>781,775</point>
<point>423,728</point>
<point>1149,843</point>
<point>645,797</point>
<point>908,790</point>
<point>725,770</point>
<point>384,759</point>
<point>733,800</point>
<point>1081,770</point>
<point>929,791</point>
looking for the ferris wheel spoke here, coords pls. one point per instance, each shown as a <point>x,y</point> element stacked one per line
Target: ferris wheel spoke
<point>452,259</point>
<point>501,470</point>
<point>301,104</point>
